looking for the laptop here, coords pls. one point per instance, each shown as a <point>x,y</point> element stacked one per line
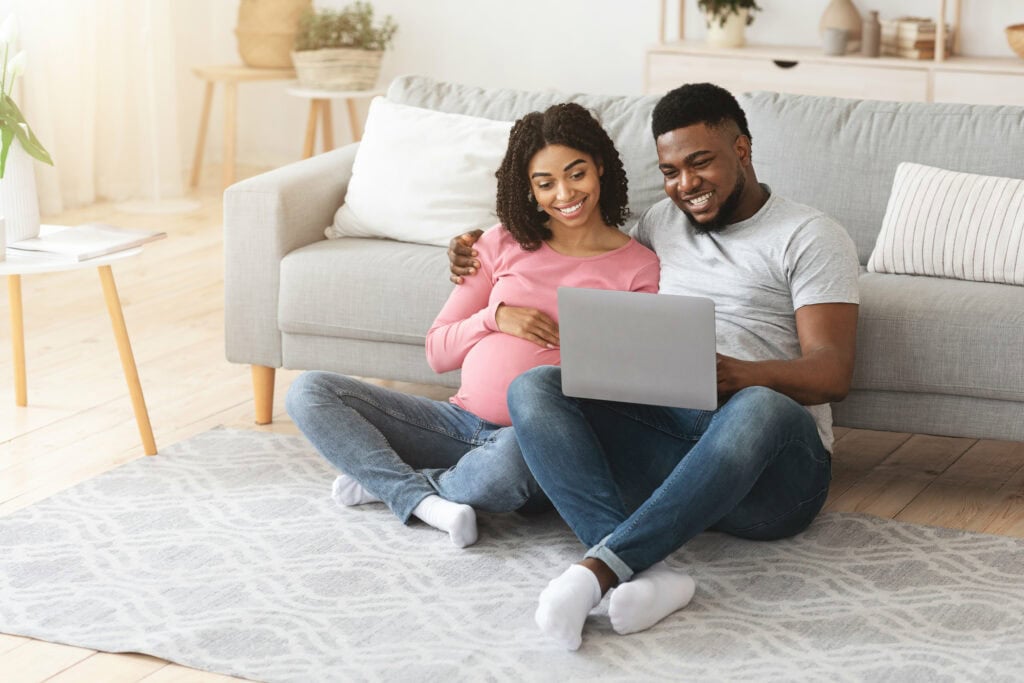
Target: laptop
<point>634,347</point>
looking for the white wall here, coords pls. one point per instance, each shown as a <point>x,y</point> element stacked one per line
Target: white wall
<point>568,45</point>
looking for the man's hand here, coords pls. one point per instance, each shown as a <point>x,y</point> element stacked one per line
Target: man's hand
<point>733,374</point>
<point>462,255</point>
<point>529,324</point>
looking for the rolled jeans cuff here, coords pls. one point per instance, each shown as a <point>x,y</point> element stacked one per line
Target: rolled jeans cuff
<point>605,554</point>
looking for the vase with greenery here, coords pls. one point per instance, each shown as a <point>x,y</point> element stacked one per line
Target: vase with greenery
<point>19,202</point>
<point>727,19</point>
<point>342,49</point>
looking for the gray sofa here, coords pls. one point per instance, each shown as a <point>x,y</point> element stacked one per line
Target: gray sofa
<point>934,356</point>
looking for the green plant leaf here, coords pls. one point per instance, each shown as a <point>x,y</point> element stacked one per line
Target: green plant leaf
<point>721,9</point>
<point>351,26</point>
<point>6,136</point>
<point>12,123</point>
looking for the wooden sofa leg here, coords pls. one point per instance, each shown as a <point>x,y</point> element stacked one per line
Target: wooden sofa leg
<point>263,392</point>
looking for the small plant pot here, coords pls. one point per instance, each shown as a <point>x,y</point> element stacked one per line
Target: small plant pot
<point>342,68</point>
<point>730,34</point>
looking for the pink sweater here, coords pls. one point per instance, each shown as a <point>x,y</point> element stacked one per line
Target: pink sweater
<point>465,334</point>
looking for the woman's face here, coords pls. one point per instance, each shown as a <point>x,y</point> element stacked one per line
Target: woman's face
<point>567,186</point>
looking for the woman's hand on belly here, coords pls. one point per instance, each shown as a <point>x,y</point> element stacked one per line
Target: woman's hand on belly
<point>529,324</point>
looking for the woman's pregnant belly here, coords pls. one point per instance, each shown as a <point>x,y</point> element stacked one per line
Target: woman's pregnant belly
<point>490,367</point>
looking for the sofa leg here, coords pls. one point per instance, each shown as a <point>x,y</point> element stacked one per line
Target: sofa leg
<point>263,392</point>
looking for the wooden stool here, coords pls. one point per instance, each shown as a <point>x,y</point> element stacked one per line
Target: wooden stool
<point>230,76</point>
<point>320,110</point>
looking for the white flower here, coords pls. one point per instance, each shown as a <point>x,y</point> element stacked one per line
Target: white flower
<point>9,30</point>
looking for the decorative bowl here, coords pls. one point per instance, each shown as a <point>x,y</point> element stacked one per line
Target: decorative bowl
<point>1015,37</point>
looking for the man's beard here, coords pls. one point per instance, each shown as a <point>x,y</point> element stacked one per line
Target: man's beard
<point>725,212</point>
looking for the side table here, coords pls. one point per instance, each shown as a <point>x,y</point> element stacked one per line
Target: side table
<point>320,110</point>
<point>230,76</point>
<point>20,263</point>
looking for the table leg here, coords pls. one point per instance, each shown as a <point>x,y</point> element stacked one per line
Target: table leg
<point>327,127</point>
<point>353,120</point>
<point>17,339</point>
<point>204,122</point>
<point>124,348</point>
<point>230,112</point>
<point>310,141</point>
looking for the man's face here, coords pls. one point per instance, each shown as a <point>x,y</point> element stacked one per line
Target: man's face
<point>704,172</point>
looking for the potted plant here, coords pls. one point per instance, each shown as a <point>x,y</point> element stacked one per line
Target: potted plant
<point>727,19</point>
<point>19,203</point>
<point>341,49</point>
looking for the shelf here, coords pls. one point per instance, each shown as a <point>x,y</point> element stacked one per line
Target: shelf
<point>806,70</point>
<point>788,53</point>
<point>940,15</point>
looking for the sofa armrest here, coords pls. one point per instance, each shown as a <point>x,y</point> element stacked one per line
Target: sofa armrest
<point>265,218</point>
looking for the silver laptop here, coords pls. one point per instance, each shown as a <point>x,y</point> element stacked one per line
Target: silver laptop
<point>656,349</point>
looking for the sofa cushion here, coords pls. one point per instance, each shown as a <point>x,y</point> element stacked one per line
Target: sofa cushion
<point>933,335</point>
<point>840,156</point>
<point>363,288</point>
<point>445,188</point>
<point>948,224</point>
<point>627,120</point>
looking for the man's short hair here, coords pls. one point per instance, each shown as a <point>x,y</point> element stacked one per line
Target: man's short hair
<point>695,103</point>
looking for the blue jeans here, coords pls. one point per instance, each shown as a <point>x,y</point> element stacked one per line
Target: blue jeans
<point>403,448</point>
<point>636,482</point>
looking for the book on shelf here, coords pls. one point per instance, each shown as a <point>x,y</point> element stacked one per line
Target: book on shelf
<point>911,27</point>
<point>908,53</point>
<point>912,37</point>
<point>86,241</point>
<point>909,43</point>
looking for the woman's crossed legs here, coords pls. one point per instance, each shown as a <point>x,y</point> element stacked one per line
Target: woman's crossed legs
<point>421,457</point>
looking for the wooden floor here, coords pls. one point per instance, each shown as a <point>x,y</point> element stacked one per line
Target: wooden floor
<point>79,420</point>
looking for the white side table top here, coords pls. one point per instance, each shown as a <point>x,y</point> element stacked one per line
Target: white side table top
<point>316,94</point>
<point>20,262</point>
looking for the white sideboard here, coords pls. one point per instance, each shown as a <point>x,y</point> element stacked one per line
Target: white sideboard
<point>806,71</point>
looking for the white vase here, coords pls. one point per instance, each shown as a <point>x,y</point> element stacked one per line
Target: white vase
<point>19,202</point>
<point>731,34</point>
<point>843,14</point>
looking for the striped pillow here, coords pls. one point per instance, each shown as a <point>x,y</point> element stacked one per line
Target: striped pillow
<point>950,224</point>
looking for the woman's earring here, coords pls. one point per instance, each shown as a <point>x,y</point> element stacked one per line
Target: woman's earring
<point>536,204</point>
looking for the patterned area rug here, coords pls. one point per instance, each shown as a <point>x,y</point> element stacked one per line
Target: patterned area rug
<point>225,553</point>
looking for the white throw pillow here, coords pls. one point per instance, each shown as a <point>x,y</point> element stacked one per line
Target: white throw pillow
<point>422,175</point>
<point>951,224</point>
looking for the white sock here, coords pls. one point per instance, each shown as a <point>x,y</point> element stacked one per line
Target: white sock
<point>348,492</point>
<point>564,605</point>
<point>649,597</point>
<point>457,519</point>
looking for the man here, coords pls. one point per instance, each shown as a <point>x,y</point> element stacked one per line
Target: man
<point>636,482</point>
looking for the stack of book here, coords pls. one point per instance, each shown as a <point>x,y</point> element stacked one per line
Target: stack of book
<point>911,37</point>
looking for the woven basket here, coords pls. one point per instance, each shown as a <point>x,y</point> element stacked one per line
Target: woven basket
<point>1015,37</point>
<point>266,31</point>
<point>265,49</point>
<point>339,68</point>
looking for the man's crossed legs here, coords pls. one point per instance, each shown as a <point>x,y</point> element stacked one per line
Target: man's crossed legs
<point>636,482</point>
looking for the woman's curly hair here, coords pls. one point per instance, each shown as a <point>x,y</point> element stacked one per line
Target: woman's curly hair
<point>567,124</point>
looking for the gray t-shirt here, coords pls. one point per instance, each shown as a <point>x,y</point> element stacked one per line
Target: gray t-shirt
<point>758,272</point>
